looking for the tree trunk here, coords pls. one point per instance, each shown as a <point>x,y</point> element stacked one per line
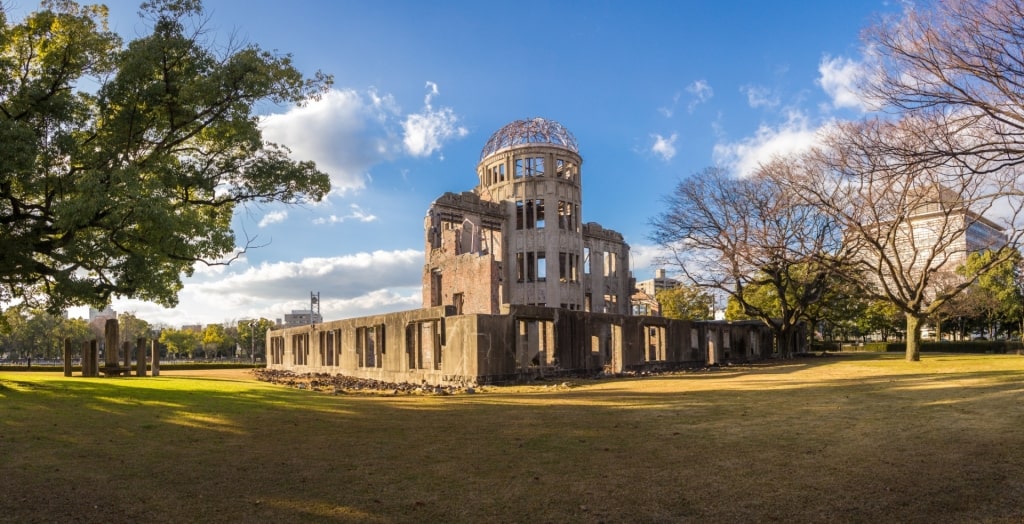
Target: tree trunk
<point>913,338</point>
<point>786,340</point>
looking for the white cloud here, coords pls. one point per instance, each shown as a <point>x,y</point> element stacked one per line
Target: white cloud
<point>345,133</point>
<point>357,214</point>
<point>348,132</point>
<point>839,78</point>
<point>349,285</point>
<point>426,131</point>
<point>645,258</point>
<point>701,92</point>
<point>794,135</point>
<point>664,147</point>
<point>760,96</point>
<point>272,218</point>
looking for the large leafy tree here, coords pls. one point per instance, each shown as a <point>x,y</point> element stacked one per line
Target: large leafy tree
<point>180,341</point>
<point>252,334</point>
<point>686,302</point>
<point>996,298</point>
<point>123,163</point>
<point>215,339</point>
<point>28,333</point>
<point>882,317</point>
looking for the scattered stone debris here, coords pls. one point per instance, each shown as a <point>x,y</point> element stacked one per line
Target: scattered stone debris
<point>341,384</point>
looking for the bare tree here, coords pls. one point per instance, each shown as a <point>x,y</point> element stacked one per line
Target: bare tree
<point>961,61</point>
<point>909,221</point>
<point>726,234</point>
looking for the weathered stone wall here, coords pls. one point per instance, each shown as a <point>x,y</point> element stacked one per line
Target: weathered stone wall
<point>436,347</point>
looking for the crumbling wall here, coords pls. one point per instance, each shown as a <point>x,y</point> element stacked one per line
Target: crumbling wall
<point>437,347</point>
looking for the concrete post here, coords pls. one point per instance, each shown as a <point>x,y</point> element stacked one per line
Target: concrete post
<point>140,357</point>
<point>86,361</point>
<point>155,356</point>
<point>94,358</point>
<point>110,338</point>
<point>67,357</point>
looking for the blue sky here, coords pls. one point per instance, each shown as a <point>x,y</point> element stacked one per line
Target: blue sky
<point>653,91</point>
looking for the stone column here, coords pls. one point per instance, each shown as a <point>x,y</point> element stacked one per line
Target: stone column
<point>127,348</point>
<point>67,357</point>
<point>94,358</point>
<point>140,357</point>
<point>86,360</point>
<point>111,336</point>
<point>154,354</point>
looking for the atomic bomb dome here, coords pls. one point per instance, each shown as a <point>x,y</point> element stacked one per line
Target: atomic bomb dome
<point>531,131</point>
<point>515,285</point>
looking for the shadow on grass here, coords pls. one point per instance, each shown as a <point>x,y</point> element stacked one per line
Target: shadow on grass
<point>825,439</point>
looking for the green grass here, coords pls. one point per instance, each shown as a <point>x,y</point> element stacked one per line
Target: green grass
<point>863,438</point>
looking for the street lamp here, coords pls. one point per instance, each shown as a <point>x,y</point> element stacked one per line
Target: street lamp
<point>252,336</point>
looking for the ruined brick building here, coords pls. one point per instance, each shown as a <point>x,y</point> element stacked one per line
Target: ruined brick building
<point>518,238</point>
<point>515,285</point>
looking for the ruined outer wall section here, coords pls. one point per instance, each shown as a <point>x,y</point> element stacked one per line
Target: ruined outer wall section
<point>464,252</point>
<point>433,346</point>
<point>608,285</point>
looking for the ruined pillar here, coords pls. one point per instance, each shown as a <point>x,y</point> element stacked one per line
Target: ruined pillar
<point>86,370</point>
<point>67,357</point>
<point>140,357</point>
<point>110,338</point>
<point>154,354</point>
<point>94,358</point>
<point>126,347</point>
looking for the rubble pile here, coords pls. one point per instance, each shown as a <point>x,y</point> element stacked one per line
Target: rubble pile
<point>341,384</point>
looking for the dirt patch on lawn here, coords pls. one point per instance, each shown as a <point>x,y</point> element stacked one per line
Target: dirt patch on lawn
<point>227,374</point>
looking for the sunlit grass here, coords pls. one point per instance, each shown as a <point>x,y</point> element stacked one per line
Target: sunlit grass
<point>852,438</point>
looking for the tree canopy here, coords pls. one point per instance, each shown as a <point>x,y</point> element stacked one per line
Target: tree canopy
<point>124,163</point>
<point>686,302</point>
<point>730,235</point>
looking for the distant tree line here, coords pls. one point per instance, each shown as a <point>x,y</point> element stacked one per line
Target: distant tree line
<point>39,335</point>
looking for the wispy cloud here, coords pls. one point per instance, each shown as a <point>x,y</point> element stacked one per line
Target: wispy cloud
<point>425,132</point>
<point>348,132</point>
<point>796,134</point>
<point>701,92</point>
<point>273,217</point>
<point>670,109</point>
<point>351,285</point>
<point>839,78</point>
<point>664,147</point>
<point>356,214</point>
<point>760,96</point>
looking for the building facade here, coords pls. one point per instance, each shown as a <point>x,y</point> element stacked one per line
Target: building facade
<point>301,317</point>
<point>518,237</point>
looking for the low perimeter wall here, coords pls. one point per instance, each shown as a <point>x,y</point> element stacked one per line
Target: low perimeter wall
<point>433,346</point>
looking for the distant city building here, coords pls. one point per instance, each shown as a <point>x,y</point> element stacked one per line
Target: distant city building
<point>107,312</point>
<point>645,299</point>
<point>659,283</point>
<point>944,210</point>
<point>302,317</point>
<point>197,328</point>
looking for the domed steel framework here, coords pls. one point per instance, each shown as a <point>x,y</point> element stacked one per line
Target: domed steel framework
<point>531,131</point>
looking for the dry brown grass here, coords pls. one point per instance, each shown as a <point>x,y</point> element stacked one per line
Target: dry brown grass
<point>862,438</point>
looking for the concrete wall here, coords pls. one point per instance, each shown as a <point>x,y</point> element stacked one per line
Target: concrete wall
<point>435,346</point>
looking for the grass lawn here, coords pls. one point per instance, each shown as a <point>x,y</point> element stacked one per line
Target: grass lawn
<point>862,438</point>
